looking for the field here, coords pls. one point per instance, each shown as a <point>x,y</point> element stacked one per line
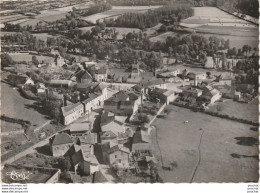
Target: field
<point>213,21</point>
<point>228,150</point>
<point>50,15</point>
<point>215,17</point>
<point>239,110</point>
<point>43,36</point>
<point>18,57</point>
<point>12,18</point>
<point>116,11</point>
<point>18,107</point>
<point>238,41</point>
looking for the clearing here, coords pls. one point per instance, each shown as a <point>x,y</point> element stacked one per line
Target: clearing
<point>229,150</point>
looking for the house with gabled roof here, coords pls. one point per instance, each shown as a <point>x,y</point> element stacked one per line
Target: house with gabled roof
<point>108,137</point>
<point>84,162</point>
<point>71,113</point>
<point>165,96</point>
<point>116,155</point>
<point>112,124</point>
<point>141,143</point>
<point>211,94</point>
<point>145,86</point>
<point>192,91</point>
<point>60,144</point>
<point>122,103</point>
<point>79,129</point>
<point>100,75</point>
<point>82,76</point>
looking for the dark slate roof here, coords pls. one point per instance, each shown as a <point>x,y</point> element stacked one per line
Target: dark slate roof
<point>83,74</point>
<point>101,86</point>
<point>61,138</point>
<point>108,120</point>
<point>127,103</point>
<point>141,137</point>
<point>109,102</point>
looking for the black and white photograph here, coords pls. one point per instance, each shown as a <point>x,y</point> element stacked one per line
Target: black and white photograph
<point>129,91</point>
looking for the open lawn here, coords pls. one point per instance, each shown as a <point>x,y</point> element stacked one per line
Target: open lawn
<point>229,150</point>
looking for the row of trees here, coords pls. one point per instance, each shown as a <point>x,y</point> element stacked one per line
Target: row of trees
<point>151,18</point>
<point>96,8</point>
<point>248,7</point>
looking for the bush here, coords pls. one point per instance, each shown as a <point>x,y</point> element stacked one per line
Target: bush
<point>153,112</point>
<point>143,118</point>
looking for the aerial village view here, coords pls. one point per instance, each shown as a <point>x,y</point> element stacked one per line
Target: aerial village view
<point>129,91</point>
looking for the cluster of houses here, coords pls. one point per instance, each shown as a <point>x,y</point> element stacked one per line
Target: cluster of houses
<point>77,143</point>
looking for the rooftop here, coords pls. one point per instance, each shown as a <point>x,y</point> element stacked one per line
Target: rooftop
<point>83,74</point>
<point>147,84</point>
<point>141,137</point>
<point>77,127</point>
<point>66,110</point>
<point>108,135</point>
<point>59,82</point>
<point>90,138</point>
<point>118,148</point>
<point>61,138</point>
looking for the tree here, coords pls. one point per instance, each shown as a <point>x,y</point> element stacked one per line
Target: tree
<point>64,163</point>
<point>35,60</point>
<point>208,74</point>
<point>53,105</point>
<point>6,60</point>
<point>143,118</point>
<point>245,49</point>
